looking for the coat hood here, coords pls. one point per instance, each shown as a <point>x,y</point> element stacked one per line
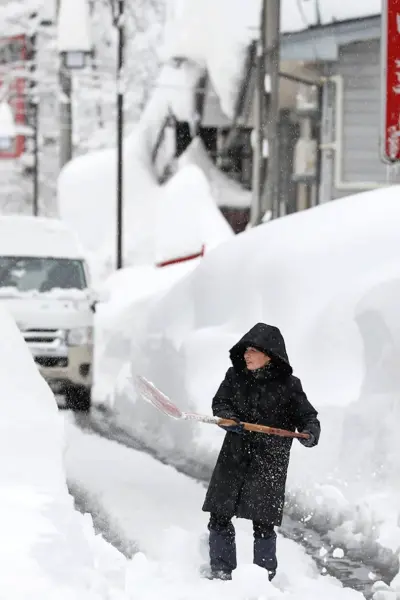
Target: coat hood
<point>269,340</point>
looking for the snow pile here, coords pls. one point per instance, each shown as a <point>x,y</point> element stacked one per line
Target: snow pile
<point>224,190</point>
<point>87,185</point>
<point>153,508</point>
<point>329,278</point>
<point>46,544</point>
<point>141,286</point>
<point>159,221</point>
<point>222,50</point>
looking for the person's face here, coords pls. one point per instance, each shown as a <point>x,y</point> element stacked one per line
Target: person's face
<point>255,359</point>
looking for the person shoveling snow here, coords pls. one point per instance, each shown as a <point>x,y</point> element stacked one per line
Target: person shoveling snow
<point>250,475</point>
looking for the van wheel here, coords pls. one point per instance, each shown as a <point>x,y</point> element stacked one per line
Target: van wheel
<point>78,399</point>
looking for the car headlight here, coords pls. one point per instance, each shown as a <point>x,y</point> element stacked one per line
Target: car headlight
<point>79,336</point>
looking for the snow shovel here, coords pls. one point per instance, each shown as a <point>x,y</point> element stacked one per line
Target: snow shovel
<point>151,394</point>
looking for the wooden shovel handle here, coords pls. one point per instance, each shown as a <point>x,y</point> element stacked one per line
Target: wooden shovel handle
<point>264,429</point>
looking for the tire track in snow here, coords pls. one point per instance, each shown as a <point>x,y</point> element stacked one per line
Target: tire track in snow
<point>102,523</point>
<point>352,571</point>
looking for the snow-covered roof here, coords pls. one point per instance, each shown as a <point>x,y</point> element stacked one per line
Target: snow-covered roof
<point>13,18</point>
<point>231,25</point>
<point>301,14</point>
<point>74,33</point>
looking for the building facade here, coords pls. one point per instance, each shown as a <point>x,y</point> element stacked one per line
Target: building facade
<point>348,56</point>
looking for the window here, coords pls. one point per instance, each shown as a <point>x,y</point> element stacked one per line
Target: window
<point>26,274</point>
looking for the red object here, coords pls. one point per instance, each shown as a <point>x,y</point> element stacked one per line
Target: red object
<point>390,49</point>
<point>181,259</point>
<point>12,56</point>
<point>154,396</point>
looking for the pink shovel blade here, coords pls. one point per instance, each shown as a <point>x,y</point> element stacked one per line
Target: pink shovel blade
<point>151,394</point>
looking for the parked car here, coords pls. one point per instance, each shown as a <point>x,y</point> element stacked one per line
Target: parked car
<point>45,284</point>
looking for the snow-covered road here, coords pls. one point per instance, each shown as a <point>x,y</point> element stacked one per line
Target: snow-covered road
<point>358,568</point>
<point>153,507</point>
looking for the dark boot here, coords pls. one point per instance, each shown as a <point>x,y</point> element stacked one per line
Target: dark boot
<point>222,547</point>
<point>222,575</point>
<point>265,548</point>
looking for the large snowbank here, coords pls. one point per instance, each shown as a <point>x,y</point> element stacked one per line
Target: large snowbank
<point>153,508</point>
<point>225,191</point>
<point>330,279</point>
<point>48,550</point>
<point>178,217</point>
<point>143,285</point>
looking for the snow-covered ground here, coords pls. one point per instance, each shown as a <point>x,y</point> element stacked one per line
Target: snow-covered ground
<point>330,279</point>
<point>153,507</point>
<point>48,550</point>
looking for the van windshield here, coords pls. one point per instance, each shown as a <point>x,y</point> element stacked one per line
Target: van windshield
<point>26,274</point>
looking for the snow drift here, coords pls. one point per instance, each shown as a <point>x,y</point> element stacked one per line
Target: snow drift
<point>329,278</point>
<point>46,545</point>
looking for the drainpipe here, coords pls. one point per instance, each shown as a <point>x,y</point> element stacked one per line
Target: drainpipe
<point>337,144</point>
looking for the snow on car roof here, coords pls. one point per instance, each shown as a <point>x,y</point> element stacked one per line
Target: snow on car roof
<point>37,236</point>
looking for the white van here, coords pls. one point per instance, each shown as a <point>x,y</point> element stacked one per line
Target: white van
<point>44,283</point>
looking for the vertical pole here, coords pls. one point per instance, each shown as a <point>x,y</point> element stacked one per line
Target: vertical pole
<point>259,116</point>
<point>65,115</point>
<point>120,130</point>
<point>35,108</point>
<point>271,196</point>
<point>319,141</point>
<point>34,121</point>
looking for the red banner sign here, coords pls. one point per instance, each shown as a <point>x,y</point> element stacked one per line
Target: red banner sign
<point>391,77</point>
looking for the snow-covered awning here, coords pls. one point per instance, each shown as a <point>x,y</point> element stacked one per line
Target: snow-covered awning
<point>74,31</point>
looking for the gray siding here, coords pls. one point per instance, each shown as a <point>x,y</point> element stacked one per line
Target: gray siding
<point>359,65</point>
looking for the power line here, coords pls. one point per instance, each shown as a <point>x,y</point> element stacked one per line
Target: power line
<point>303,14</point>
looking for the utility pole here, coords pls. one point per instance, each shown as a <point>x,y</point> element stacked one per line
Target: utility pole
<point>120,22</point>
<point>34,115</point>
<point>35,120</point>
<point>271,200</point>
<point>259,117</point>
<point>65,82</point>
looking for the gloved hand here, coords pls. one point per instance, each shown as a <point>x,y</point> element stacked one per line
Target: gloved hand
<point>309,442</point>
<point>239,428</point>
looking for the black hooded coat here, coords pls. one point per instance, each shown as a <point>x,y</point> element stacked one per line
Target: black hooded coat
<point>250,475</point>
